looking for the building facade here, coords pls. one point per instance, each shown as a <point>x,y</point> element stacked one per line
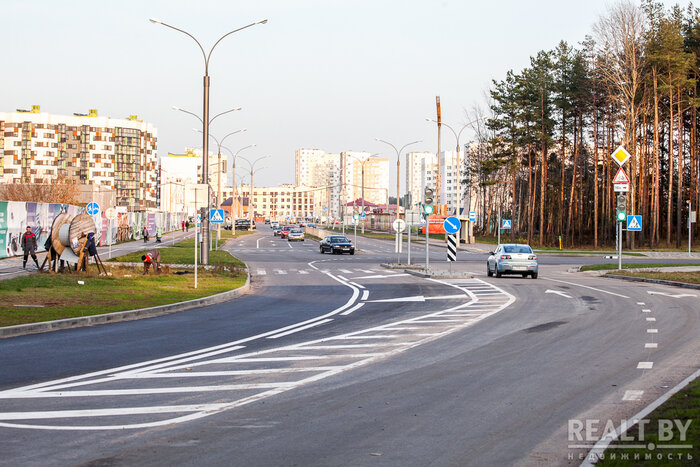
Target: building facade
<point>105,153</point>
<point>280,202</point>
<point>416,164</point>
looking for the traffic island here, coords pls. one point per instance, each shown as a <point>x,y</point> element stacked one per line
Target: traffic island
<point>441,274</point>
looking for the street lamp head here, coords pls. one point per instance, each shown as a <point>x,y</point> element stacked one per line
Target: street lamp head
<point>176,108</point>
<point>156,21</point>
<point>264,21</point>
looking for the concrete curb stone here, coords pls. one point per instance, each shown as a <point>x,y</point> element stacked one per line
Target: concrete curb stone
<point>653,281</point>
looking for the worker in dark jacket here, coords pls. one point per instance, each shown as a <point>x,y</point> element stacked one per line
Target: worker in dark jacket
<point>28,244</point>
<point>152,257</point>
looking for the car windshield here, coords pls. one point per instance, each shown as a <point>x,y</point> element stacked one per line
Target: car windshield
<point>339,240</point>
<point>517,249</point>
<point>296,231</point>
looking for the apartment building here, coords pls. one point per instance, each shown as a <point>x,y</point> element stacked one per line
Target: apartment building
<point>415,166</point>
<point>317,169</point>
<point>280,202</point>
<point>99,152</point>
<point>376,177</point>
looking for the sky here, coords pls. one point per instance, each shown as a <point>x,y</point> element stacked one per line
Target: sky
<point>324,74</point>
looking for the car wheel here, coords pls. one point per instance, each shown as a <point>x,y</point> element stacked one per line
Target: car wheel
<point>321,249</point>
<point>498,273</point>
<point>488,270</point>
<point>524,275</point>
<point>534,275</point>
<point>352,252</point>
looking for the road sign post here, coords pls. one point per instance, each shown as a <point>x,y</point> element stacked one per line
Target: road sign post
<point>451,250</point>
<point>399,225</point>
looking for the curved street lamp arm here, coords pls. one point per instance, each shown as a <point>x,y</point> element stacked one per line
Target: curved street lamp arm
<point>204,55</point>
<point>206,59</point>
<point>224,113</point>
<point>232,133</point>
<point>414,142</point>
<point>188,112</point>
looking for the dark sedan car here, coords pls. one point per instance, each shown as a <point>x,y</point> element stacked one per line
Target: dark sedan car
<point>336,244</point>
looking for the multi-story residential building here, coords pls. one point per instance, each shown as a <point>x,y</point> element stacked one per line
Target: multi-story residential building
<point>376,177</point>
<point>179,174</point>
<point>449,174</point>
<point>317,169</point>
<point>280,202</point>
<point>416,162</point>
<point>112,154</point>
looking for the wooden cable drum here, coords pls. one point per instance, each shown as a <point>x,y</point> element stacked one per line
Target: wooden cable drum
<point>61,219</point>
<point>80,226</point>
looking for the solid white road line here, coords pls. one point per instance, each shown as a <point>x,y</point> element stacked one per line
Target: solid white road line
<point>652,331</point>
<point>587,287</point>
<point>300,328</point>
<point>645,365</point>
<point>356,307</point>
<point>651,345</point>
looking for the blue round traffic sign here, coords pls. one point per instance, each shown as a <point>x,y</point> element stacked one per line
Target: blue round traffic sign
<point>363,215</point>
<point>93,209</point>
<point>452,225</point>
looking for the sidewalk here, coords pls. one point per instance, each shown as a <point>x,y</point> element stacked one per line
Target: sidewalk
<point>12,267</point>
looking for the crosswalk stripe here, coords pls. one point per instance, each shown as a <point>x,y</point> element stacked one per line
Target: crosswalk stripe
<point>280,271</point>
<point>261,272</point>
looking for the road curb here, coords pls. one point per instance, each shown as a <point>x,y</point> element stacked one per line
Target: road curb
<point>431,274</point>
<point>653,281</point>
<point>69,323</point>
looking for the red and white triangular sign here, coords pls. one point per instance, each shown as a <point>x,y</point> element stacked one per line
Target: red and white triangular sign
<point>621,177</point>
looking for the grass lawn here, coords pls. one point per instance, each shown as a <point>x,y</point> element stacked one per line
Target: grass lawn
<point>683,407</point>
<point>603,267</point>
<point>182,253</point>
<point>688,277</point>
<point>58,296</point>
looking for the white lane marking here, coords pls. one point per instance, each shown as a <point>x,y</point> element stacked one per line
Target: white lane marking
<point>366,271</point>
<point>646,310</point>
<point>587,287</point>
<point>597,451</point>
<point>345,271</point>
<point>280,271</point>
<point>563,294</point>
<point>343,278</point>
<point>640,303</point>
<point>652,331</point>
<point>645,365</point>
<point>357,285</point>
<point>289,244</point>
<point>257,244</point>
<point>302,271</point>
<point>381,276</point>
<point>356,307</point>
<point>633,395</point>
<point>108,412</point>
<point>651,319</point>
<point>208,374</point>
<point>261,272</point>
<point>300,328</point>
<point>651,345</point>
<point>680,295</point>
<point>421,298</point>
<point>365,294</point>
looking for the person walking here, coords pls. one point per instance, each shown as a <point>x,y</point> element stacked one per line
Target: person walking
<point>152,257</point>
<point>145,234</point>
<point>28,244</point>
<point>187,225</point>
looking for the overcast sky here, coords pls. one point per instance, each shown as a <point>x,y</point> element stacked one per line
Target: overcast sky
<point>320,74</point>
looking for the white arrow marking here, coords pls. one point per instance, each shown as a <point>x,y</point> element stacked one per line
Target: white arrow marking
<point>558,293</point>
<point>680,295</point>
<point>419,298</point>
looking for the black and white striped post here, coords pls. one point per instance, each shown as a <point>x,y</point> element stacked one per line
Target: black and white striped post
<point>451,249</point>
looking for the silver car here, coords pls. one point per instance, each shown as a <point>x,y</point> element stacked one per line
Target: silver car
<point>295,235</point>
<point>512,258</point>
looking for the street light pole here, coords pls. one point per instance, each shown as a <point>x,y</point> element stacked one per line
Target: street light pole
<point>398,173</point>
<point>234,212</point>
<point>251,208</point>
<point>205,124</point>
<point>457,136</point>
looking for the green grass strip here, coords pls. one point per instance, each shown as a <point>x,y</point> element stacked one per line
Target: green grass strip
<point>603,267</point>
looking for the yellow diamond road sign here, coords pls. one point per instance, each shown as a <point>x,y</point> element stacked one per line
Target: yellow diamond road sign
<point>620,156</point>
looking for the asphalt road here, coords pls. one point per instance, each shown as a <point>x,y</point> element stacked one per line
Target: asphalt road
<point>333,360</point>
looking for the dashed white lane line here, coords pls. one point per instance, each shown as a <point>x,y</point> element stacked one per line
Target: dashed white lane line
<point>633,395</point>
<point>645,365</point>
<point>301,271</point>
<point>651,345</point>
<point>651,319</point>
<point>280,271</point>
<point>587,287</point>
<point>261,272</point>
<point>365,294</point>
<point>646,310</point>
<point>641,303</point>
<point>652,331</point>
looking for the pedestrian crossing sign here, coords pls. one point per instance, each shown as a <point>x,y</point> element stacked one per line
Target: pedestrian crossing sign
<point>634,223</point>
<point>506,224</point>
<point>216,216</point>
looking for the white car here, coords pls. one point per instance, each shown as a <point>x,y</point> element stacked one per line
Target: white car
<point>512,258</point>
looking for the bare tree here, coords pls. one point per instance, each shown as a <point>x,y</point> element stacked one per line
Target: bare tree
<point>62,190</point>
